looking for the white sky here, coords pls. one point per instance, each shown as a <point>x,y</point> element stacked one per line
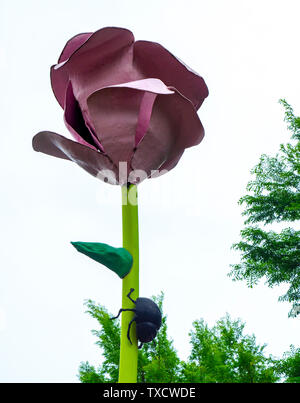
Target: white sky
<point>248,53</point>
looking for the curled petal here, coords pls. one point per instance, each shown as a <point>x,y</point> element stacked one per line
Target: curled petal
<point>168,165</point>
<point>72,45</point>
<point>144,116</point>
<point>153,85</point>
<point>94,162</point>
<point>174,126</point>
<point>60,81</point>
<point>75,123</point>
<point>120,115</point>
<point>102,59</point>
<point>153,60</point>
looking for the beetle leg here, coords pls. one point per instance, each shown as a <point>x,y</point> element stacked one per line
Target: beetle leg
<point>128,295</point>
<point>129,326</point>
<point>122,310</point>
<point>141,345</point>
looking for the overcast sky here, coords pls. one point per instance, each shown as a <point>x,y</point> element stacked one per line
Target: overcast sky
<point>248,54</point>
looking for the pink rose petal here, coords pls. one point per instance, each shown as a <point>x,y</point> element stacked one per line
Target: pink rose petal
<point>92,161</point>
<point>120,115</point>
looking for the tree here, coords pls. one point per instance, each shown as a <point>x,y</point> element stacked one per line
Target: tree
<point>219,355</point>
<point>274,196</point>
<point>289,366</point>
<point>224,354</point>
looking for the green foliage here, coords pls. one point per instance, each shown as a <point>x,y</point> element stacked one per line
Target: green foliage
<point>274,197</point>
<point>220,354</point>
<point>294,122</point>
<point>108,339</point>
<point>88,374</point>
<point>223,354</point>
<point>289,366</point>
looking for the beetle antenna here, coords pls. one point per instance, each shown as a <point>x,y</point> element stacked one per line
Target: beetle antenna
<point>128,295</point>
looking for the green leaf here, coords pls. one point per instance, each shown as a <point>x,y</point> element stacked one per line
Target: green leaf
<point>119,260</point>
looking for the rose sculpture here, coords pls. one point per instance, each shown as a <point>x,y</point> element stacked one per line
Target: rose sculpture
<point>131,106</point>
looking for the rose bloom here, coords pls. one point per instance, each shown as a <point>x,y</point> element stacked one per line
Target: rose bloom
<point>127,104</point>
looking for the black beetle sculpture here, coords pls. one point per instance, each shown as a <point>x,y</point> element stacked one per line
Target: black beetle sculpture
<point>147,317</point>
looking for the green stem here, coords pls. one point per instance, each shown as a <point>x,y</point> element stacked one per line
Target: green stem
<point>129,352</point>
